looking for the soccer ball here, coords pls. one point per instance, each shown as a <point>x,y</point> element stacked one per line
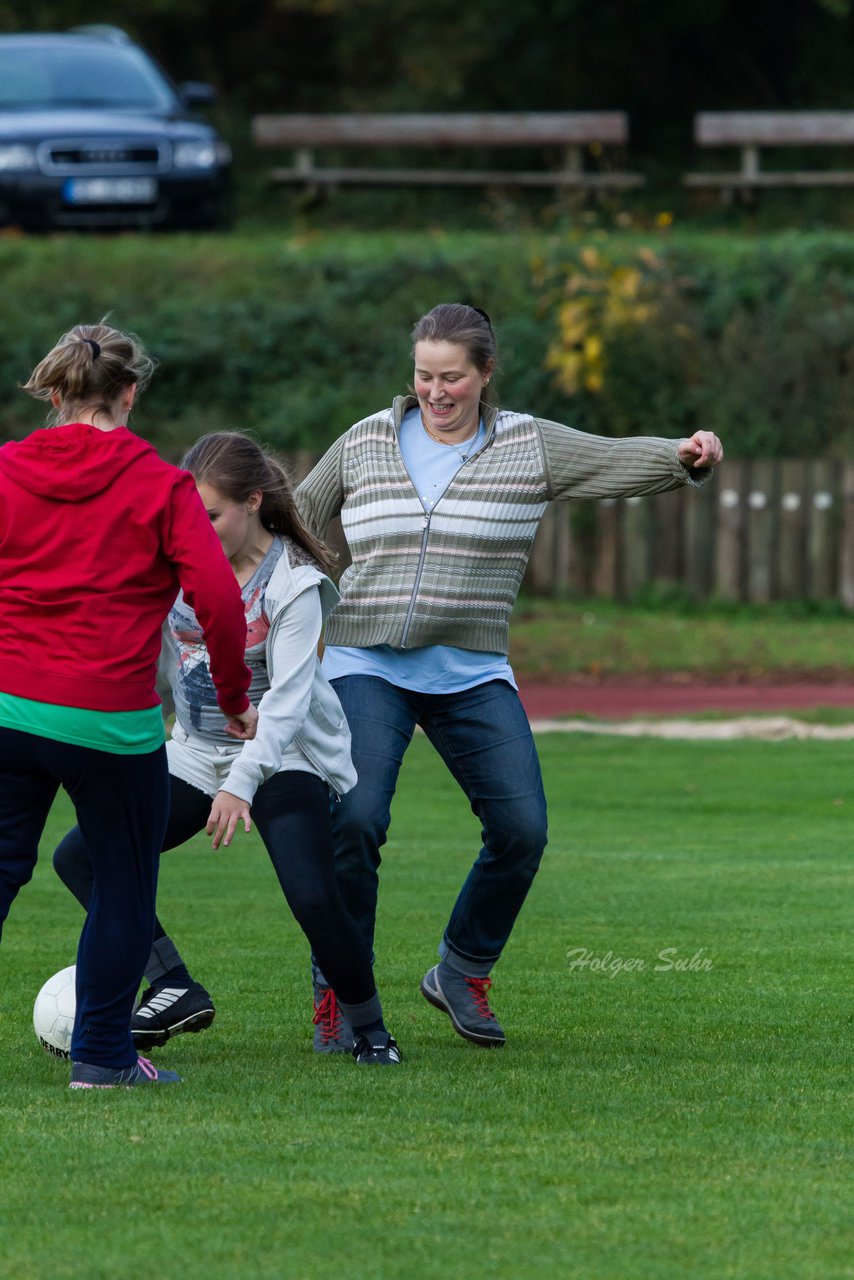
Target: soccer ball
<point>53,1013</point>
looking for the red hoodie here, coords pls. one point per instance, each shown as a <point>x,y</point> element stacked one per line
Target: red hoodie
<point>97,534</point>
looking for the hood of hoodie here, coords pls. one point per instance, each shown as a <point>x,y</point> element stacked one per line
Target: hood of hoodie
<point>71,463</point>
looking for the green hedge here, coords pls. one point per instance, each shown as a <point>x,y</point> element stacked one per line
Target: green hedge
<point>298,337</point>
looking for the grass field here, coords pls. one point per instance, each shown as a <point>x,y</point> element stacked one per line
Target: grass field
<point>644,1121</point>
<point>602,639</point>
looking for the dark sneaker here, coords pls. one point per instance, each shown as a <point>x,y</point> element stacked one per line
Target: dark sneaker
<point>464,1000</point>
<point>332,1031</point>
<point>376,1050</point>
<point>164,1012</point>
<point>86,1076</point>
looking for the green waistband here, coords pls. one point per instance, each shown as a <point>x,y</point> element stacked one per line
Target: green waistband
<point>120,732</point>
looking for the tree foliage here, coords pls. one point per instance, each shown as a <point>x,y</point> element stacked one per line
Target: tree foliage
<point>660,62</point>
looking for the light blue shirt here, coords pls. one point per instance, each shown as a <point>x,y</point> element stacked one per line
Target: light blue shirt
<point>434,668</point>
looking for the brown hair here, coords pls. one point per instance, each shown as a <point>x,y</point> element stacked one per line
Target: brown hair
<point>88,369</point>
<point>238,466</point>
<point>469,327</point>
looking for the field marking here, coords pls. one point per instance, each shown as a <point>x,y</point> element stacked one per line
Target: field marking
<point>766,728</point>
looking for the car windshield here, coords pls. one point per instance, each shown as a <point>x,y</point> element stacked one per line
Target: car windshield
<point>51,76</point>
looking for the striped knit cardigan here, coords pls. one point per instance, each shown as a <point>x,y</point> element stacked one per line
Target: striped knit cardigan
<point>451,576</point>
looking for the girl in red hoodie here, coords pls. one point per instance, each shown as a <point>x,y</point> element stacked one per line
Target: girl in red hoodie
<point>97,535</point>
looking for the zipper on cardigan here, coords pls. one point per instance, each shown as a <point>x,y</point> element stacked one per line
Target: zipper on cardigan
<point>425,534</point>
<point>425,524</point>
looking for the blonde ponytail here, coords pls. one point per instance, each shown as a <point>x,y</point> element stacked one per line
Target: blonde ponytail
<point>88,369</point>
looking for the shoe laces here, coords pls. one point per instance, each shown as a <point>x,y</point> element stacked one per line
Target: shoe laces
<point>478,989</point>
<point>327,1016</point>
<point>147,1068</point>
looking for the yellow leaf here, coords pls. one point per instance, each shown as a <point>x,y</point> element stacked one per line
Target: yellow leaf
<point>649,257</point>
<point>627,281</point>
<point>568,366</point>
<point>573,326</point>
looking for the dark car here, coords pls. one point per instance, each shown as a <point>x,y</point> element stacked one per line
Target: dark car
<point>94,134</point>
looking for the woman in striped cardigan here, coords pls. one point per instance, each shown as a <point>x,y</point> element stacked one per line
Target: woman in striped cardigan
<point>440,497</point>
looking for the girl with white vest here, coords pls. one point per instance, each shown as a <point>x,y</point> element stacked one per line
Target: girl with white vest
<point>299,758</point>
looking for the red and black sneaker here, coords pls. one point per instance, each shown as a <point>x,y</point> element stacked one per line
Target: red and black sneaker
<point>332,1031</point>
<point>464,999</point>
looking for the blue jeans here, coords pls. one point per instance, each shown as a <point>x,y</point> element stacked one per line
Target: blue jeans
<point>484,738</point>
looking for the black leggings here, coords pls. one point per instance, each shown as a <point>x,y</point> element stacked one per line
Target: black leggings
<point>291,812</point>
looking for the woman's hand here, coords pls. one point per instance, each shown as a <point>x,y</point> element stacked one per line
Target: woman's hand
<point>704,449</point>
<point>244,725</point>
<point>226,811</point>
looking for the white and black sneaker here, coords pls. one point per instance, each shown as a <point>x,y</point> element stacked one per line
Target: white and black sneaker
<point>164,1012</point>
<point>376,1050</point>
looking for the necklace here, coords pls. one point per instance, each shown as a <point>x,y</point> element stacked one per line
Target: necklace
<point>458,449</point>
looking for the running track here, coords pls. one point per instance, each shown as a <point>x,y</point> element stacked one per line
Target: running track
<point>617,701</point>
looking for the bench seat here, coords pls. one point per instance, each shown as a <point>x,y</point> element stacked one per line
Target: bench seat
<point>750,131</point>
<point>569,132</point>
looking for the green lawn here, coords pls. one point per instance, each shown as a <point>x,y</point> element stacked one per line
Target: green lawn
<point>640,1123</point>
<point>602,639</point>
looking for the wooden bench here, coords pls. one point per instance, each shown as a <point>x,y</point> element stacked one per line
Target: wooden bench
<point>568,131</point>
<point>752,130</point>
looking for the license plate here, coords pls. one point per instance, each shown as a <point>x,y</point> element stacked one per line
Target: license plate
<point>110,191</point>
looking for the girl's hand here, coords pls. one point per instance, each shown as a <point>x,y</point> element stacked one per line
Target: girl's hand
<point>244,725</point>
<point>226,811</point>
<point>704,449</point>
